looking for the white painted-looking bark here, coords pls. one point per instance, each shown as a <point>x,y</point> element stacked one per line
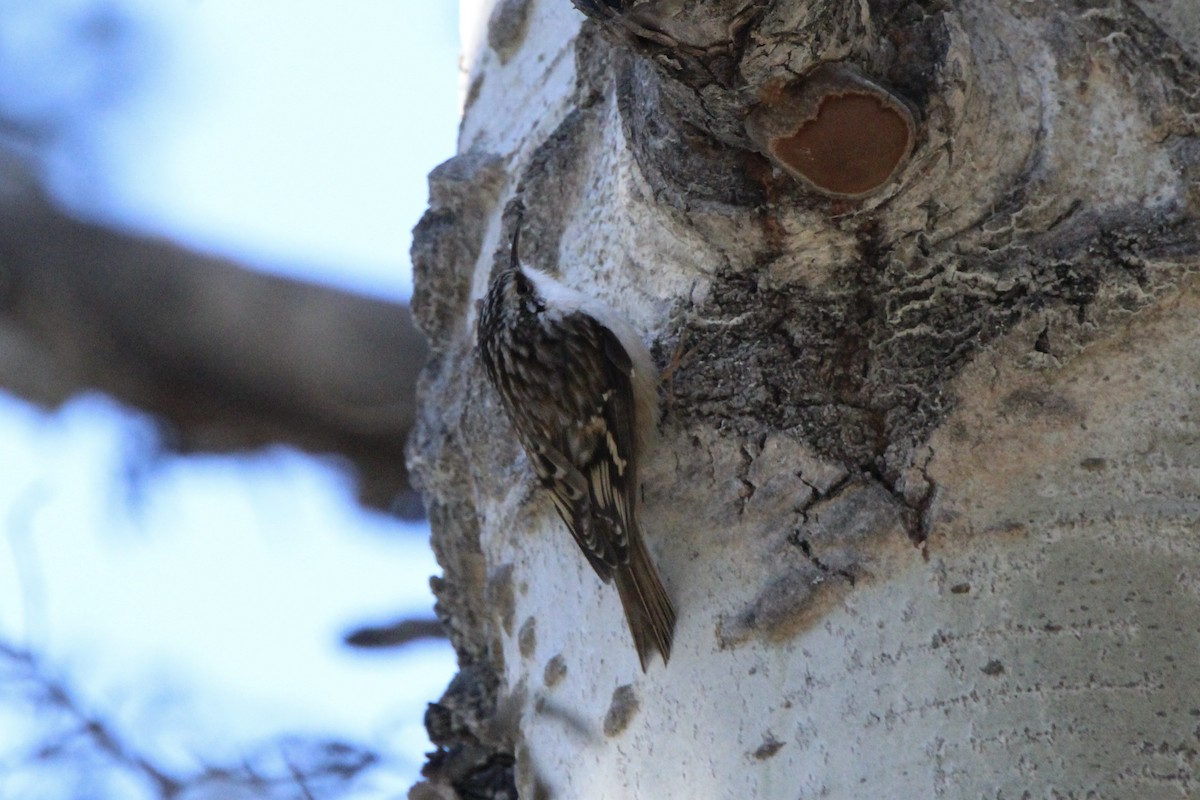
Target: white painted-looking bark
<point>1043,640</point>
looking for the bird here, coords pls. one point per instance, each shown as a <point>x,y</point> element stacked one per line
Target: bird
<point>580,389</point>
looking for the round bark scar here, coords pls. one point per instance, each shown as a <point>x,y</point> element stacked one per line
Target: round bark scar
<point>836,130</point>
<point>854,144</point>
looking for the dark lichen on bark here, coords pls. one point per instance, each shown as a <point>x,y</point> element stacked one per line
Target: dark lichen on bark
<point>474,753</point>
<point>863,362</point>
<point>863,365</point>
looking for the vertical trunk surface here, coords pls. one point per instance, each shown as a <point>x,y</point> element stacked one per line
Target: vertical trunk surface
<point>922,280</point>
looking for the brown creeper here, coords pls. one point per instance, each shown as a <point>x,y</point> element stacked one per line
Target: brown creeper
<point>580,389</point>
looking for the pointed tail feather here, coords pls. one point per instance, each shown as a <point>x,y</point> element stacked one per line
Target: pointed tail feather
<point>648,609</point>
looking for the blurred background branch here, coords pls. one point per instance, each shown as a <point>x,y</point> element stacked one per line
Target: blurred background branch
<point>229,358</point>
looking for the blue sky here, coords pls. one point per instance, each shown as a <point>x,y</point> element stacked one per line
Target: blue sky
<point>292,134</point>
<point>200,601</point>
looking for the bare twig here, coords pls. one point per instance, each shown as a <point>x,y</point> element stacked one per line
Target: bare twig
<point>396,634</point>
<point>322,760</point>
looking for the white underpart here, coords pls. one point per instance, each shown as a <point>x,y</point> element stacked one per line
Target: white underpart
<point>564,300</point>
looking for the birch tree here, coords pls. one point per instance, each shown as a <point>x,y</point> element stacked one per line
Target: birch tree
<point>921,281</point>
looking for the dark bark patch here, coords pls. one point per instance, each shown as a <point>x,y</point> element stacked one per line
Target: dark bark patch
<point>527,638</point>
<point>993,668</point>
<point>787,606</point>
<point>501,596</point>
<point>768,748</point>
<point>556,670</point>
<point>507,27</point>
<point>621,710</point>
<point>861,364</point>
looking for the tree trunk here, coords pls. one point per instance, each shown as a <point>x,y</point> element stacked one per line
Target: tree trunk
<point>922,281</point>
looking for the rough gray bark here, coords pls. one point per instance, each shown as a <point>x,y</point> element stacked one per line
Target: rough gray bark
<point>228,358</point>
<point>928,488</point>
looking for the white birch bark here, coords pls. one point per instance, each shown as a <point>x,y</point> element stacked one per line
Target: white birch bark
<point>927,489</point>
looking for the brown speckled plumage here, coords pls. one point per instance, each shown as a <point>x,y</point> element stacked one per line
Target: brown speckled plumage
<point>576,398</point>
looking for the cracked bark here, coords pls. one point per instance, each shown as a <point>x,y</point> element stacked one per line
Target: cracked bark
<point>980,374</point>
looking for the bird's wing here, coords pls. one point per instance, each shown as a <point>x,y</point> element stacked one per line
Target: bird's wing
<point>589,466</point>
<point>570,491</point>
